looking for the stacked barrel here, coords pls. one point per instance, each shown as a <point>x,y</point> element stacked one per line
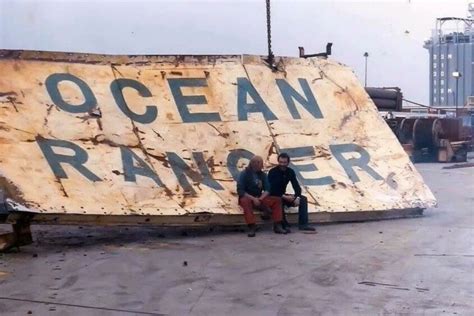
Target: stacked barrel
<point>386,99</point>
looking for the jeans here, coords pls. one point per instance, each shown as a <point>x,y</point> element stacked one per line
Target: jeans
<point>302,211</point>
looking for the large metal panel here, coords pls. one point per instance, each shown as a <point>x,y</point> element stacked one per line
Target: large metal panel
<point>166,135</point>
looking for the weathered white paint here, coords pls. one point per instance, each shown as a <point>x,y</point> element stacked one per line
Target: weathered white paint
<point>27,111</point>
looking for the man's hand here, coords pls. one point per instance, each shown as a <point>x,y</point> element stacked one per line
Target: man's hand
<point>288,198</point>
<point>256,201</point>
<point>263,196</point>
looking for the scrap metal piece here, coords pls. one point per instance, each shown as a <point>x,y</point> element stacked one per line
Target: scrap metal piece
<point>173,133</point>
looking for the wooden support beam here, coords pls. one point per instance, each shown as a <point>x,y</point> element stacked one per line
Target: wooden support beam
<point>20,236</point>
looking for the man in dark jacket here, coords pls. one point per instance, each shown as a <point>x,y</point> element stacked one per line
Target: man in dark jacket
<point>253,190</point>
<point>279,177</point>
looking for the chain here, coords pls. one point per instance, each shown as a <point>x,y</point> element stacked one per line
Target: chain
<point>269,34</point>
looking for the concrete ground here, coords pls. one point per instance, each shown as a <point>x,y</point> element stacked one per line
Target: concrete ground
<point>409,266</point>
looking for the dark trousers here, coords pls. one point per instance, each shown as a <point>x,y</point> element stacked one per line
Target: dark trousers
<point>302,211</point>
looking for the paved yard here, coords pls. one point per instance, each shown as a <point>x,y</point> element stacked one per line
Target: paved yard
<point>408,266</point>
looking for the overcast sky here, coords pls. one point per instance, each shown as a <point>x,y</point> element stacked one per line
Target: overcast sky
<point>392,32</point>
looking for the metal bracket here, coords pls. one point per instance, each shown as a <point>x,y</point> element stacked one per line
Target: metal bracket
<point>325,55</point>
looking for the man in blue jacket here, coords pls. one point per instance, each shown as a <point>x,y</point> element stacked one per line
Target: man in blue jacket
<point>279,177</point>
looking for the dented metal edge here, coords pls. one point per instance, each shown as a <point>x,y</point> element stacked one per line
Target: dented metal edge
<point>14,206</point>
<point>146,59</point>
<point>92,58</point>
<point>197,220</point>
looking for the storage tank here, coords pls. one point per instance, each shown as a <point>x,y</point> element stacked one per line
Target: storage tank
<point>451,56</point>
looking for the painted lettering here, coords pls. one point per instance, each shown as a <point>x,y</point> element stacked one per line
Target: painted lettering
<point>348,164</point>
<point>117,86</point>
<point>133,165</point>
<point>77,160</point>
<point>52,86</point>
<point>183,171</point>
<point>233,159</point>
<point>290,95</point>
<point>183,101</point>
<point>245,89</point>
<point>301,152</point>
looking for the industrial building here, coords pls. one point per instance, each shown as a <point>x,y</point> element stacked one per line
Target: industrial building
<point>451,54</point>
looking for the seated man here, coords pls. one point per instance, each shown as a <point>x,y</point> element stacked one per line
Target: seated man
<point>279,177</point>
<point>253,190</point>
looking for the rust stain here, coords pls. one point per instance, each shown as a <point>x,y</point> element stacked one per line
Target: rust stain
<point>115,70</point>
<point>211,164</point>
<point>161,159</point>
<point>100,139</point>
<point>61,187</point>
<point>168,192</point>
<point>315,202</point>
<point>11,191</point>
<point>48,112</point>
<point>342,184</point>
<point>158,134</point>
<point>225,135</point>
<point>9,93</point>
<point>99,124</point>
<point>271,150</point>
<point>13,102</point>
<point>346,118</point>
<point>322,152</point>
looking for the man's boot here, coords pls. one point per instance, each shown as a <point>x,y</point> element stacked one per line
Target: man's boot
<point>307,228</point>
<point>252,230</point>
<point>285,224</point>
<point>278,229</point>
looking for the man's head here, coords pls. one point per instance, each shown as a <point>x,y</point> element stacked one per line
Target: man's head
<point>256,163</point>
<point>283,161</point>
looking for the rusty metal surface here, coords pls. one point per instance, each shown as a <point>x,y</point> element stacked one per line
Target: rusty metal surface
<point>29,115</point>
